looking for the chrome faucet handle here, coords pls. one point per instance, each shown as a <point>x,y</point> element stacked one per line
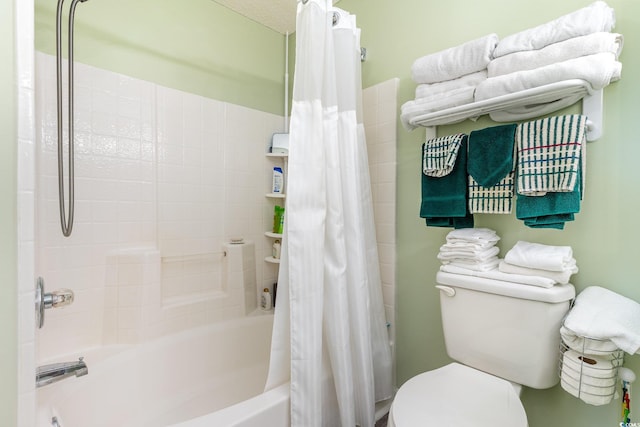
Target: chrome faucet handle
<point>55,299</point>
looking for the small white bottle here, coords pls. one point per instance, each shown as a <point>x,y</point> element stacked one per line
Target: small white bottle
<point>275,253</point>
<point>278,180</point>
<point>265,300</point>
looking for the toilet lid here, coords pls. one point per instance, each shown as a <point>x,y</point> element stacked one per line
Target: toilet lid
<point>456,395</point>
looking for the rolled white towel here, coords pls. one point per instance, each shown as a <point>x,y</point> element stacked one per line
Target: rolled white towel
<point>599,70</point>
<point>574,47</point>
<point>425,90</point>
<point>601,348</point>
<point>543,257</point>
<point>596,17</point>
<point>495,274</point>
<point>592,379</point>
<point>603,314</point>
<point>561,277</point>
<point>455,62</point>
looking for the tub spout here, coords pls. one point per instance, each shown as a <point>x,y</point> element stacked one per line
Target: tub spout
<point>55,372</point>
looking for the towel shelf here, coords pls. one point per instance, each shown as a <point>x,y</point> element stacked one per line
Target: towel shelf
<point>577,89</point>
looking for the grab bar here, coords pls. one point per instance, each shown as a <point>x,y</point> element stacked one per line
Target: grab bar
<point>66,221</point>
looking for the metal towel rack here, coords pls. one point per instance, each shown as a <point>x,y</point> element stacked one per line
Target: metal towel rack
<point>66,218</point>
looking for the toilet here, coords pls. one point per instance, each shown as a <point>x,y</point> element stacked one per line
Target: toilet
<point>502,336</point>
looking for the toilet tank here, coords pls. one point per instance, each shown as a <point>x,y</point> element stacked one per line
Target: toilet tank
<point>510,330</point>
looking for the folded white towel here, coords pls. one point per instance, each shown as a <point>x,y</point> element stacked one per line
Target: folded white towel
<point>598,70</point>
<point>474,235</point>
<point>561,277</point>
<point>455,62</point>
<point>418,107</point>
<point>603,314</point>
<point>488,265</point>
<point>447,254</point>
<point>495,274</point>
<point>543,257</point>
<point>472,80</point>
<point>591,19</point>
<point>557,52</point>
<point>530,111</point>
<point>591,379</point>
<point>601,348</point>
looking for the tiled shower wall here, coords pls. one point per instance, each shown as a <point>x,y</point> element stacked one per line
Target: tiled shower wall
<point>156,170</point>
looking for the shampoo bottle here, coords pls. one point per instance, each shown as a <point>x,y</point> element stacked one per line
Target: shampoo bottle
<point>265,300</point>
<point>278,180</point>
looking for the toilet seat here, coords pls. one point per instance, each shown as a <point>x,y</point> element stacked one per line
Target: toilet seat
<point>457,395</point>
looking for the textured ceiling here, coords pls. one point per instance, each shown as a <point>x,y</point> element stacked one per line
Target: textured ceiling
<point>279,15</point>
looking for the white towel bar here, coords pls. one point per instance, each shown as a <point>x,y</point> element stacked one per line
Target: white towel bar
<point>592,106</point>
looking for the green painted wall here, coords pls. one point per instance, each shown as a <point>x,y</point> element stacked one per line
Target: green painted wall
<point>8,220</point>
<point>196,46</point>
<point>604,235</point>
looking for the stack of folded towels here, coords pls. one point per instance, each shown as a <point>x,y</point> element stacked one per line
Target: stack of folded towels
<point>578,45</point>
<point>448,78</point>
<point>600,326</point>
<point>526,263</point>
<point>472,249</point>
<point>555,263</point>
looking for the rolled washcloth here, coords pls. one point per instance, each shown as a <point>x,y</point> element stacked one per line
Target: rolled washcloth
<point>603,314</point>
<point>472,80</point>
<point>591,379</point>
<point>557,52</point>
<point>495,274</point>
<point>561,277</point>
<point>596,17</point>
<point>417,107</point>
<point>455,62</point>
<point>598,70</point>
<point>542,257</point>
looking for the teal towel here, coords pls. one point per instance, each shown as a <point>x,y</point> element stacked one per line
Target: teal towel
<point>491,154</point>
<point>551,210</point>
<point>461,222</point>
<point>446,196</point>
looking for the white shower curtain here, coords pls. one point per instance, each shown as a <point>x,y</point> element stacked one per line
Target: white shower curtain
<point>330,338</point>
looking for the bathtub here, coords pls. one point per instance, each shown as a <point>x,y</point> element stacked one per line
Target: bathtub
<point>214,373</point>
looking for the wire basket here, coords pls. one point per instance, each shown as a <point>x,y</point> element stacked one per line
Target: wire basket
<point>588,367</point>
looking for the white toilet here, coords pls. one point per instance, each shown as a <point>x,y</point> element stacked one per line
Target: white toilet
<point>505,336</point>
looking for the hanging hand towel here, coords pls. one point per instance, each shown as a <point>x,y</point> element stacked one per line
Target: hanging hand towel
<point>591,19</point>
<point>497,199</point>
<point>444,199</point>
<point>603,314</point>
<point>550,154</point>
<point>491,154</point>
<point>455,62</point>
<point>439,155</point>
<point>557,52</point>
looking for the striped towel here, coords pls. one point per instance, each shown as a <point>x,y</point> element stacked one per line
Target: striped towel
<point>439,155</point>
<point>551,153</point>
<point>497,199</point>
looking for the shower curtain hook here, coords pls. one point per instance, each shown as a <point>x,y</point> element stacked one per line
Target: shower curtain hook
<point>336,18</point>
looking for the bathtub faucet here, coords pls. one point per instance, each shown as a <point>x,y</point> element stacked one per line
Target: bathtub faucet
<point>55,372</point>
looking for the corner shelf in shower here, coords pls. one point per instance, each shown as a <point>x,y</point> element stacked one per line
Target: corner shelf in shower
<point>273,235</point>
<point>529,98</point>
<point>272,260</point>
<point>275,195</point>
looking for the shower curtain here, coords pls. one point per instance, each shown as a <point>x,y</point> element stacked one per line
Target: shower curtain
<point>330,338</point>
